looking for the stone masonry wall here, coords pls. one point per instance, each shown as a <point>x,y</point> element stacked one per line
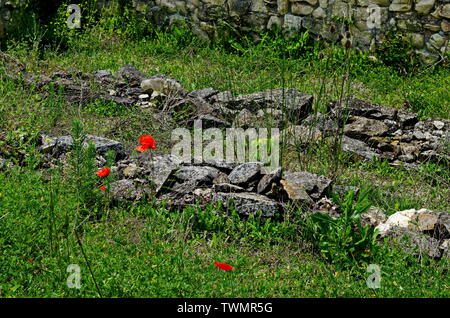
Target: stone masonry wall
<point>426,23</point>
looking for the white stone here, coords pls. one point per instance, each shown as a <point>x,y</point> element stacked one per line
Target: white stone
<point>416,220</point>
<point>438,124</point>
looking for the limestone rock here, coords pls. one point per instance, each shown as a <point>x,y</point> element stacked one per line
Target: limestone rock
<point>245,173</point>
<point>326,206</point>
<point>360,149</point>
<point>296,192</point>
<point>244,118</point>
<point>294,103</point>
<point>160,169</point>
<point>160,83</point>
<point>424,6</point>
<point>406,118</point>
<point>315,185</point>
<point>204,93</point>
<point>250,203</point>
<point>129,73</point>
<point>445,11</point>
<point>415,220</point>
<point>301,9</point>
<point>209,121</point>
<point>292,22</point>
<point>197,174</point>
<point>400,5</point>
<point>363,127</point>
<point>62,144</point>
<point>319,13</point>
<point>267,180</point>
<point>414,243</point>
<point>227,187</point>
<point>361,108</point>
<point>126,190</point>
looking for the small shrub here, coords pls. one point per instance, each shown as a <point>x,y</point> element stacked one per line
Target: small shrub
<point>344,240</point>
<point>397,52</point>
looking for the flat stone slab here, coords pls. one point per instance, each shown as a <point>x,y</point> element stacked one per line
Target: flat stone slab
<point>294,103</point>
<point>62,144</point>
<point>360,149</point>
<point>245,173</point>
<point>296,192</point>
<point>126,190</point>
<point>160,169</point>
<point>363,128</point>
<point>250,203</point>
<point>197,174</point>
<point>267,180</point>
<point>362,108</point>
<point>315,185</point>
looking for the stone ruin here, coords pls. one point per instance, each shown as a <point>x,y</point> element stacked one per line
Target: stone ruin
<point>368,129</point>
<point>425,24</point>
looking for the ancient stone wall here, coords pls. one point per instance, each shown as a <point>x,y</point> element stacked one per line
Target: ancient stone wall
<point>426,23</point>
<point>6,8</point>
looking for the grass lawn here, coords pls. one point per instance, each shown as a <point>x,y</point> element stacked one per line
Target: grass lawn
<point>142,249</point>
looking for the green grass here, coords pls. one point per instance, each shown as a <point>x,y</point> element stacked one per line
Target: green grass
<point>146,251</point>
<point>143,250</point>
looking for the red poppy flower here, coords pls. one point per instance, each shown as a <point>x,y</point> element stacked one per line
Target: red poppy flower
<point>146,142</point>
<point>104,172</point>
<point>224,266</point>
<point>102,188</point>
